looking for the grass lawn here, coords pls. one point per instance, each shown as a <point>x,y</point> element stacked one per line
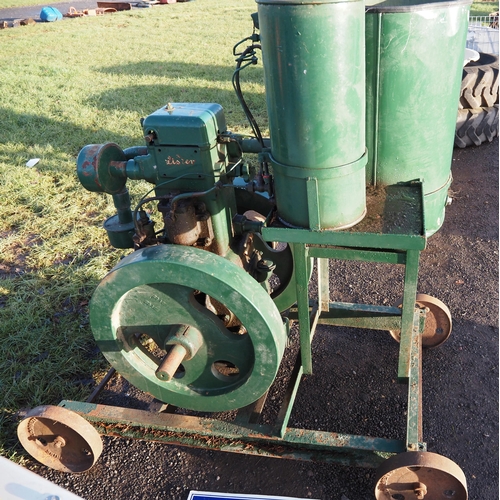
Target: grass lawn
<point>477,8</point>
<point>483,8</point>
<point>65,85</point>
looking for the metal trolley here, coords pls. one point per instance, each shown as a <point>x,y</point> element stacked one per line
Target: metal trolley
<point>199,314</point>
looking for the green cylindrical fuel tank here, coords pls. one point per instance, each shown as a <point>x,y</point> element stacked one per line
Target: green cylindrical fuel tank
<point>314,66</point>
<point>414,60</point>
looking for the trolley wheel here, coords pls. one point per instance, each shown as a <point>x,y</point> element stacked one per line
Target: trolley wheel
<point>419,475</point>
<point>60,439</point>
<point>438,323</point>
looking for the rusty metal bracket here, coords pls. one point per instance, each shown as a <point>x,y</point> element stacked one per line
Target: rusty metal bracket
<point>249,439</point>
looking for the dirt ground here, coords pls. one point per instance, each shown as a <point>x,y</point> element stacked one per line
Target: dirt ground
<point>354,388</point>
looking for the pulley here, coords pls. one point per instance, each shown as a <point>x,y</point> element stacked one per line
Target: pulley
<point>189,327</point>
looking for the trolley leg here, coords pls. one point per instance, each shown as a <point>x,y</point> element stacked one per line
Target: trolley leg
<point>407,313</point>
<point>302,281</point>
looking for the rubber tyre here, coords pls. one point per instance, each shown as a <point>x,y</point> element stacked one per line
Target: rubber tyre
<point>475,126</point>
<point>479,87</point>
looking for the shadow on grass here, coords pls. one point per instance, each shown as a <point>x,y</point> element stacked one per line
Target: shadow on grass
<point>177,69</point>
<point>31,129</point>
<point>145,99</point>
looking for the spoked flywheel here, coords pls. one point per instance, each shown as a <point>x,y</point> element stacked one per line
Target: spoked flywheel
<point>189,327</point>
<point>282,281</point>
<point>416,475</point>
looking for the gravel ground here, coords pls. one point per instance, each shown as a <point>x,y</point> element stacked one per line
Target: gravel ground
<point>353,388</point>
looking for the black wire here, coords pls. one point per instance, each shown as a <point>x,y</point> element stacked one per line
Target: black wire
<point>248,56</point>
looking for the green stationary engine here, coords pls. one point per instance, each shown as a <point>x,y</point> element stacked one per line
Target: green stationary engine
<point>189,316</point>
<point>198,314</point>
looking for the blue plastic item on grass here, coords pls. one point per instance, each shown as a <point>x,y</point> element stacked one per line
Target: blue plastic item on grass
<point>50,14</point>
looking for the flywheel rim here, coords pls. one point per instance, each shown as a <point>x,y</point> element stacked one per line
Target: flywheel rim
<point>160,283</point>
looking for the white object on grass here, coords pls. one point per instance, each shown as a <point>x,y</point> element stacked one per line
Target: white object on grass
<point>32,162</point>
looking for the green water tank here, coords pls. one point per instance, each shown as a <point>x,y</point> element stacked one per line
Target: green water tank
<point>314,66</point>
<point>414,60</point>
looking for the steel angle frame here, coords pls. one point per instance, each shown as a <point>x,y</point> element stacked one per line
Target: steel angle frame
<point>244,434</point>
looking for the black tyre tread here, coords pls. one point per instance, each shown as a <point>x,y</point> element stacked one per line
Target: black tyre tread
<point>479,87</point>
<point>475,126</point>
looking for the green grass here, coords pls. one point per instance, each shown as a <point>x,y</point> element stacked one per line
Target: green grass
<point>5,4</point>
<point>483,8</point>
<point>65,85</point>
<point>477,8</point>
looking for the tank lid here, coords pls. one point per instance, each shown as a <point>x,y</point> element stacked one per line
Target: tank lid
<point>394,6</point>
<point>303,2</point>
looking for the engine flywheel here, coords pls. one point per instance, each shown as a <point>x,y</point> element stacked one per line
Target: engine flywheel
<point>189,327</point>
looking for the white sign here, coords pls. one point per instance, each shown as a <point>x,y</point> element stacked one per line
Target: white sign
<point>206,495</point>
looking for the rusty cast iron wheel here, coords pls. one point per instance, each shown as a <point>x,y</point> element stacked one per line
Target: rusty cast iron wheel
<point>60,439</point>
<point>420,475</point>
<point>437,321</point>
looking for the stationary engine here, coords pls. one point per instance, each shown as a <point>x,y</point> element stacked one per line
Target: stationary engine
<point>198,313</point>
<point>193,314</point>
